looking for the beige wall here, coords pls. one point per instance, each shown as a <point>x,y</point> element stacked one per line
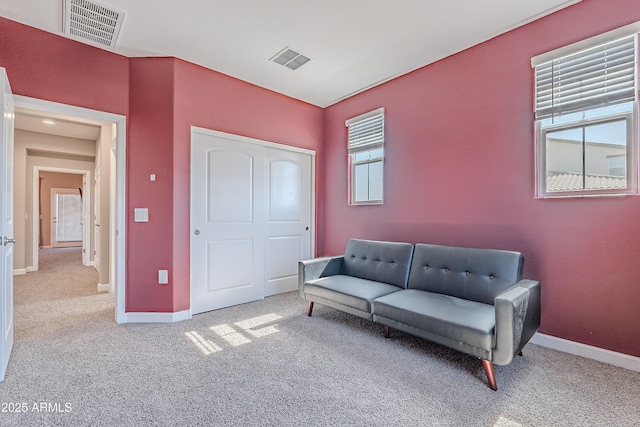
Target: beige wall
<point>51,180</point>
<point>104,162</point>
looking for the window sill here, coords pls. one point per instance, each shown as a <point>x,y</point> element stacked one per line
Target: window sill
<point>371,203</point>
<point>582,196</point>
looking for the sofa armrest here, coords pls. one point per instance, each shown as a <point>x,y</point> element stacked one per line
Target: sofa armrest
<point>517,319</point>
<point>316,268</point>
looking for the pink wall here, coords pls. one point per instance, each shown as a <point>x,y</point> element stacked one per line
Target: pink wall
<point>45,66</point>
<point>168,96</point>
<point>216,101</point>
<point>459,170</point>
<point>150,151</point>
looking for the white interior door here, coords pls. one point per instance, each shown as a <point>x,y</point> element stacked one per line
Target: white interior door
<point>288,218</point>
<point>83,221</point>
<point>227,219</point>
<point>96,223</point>
<point>6,224</point>
<point>66,208</point>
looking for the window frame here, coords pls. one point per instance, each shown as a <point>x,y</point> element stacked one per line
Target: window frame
<point>353,163</point>
<point>630,117</point>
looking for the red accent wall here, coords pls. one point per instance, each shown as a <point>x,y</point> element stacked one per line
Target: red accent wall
<point>150,151</point>
<point>459,170</point>
<point>50,67</point>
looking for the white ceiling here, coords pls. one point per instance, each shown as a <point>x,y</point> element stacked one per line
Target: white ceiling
<point>353,44</point>
<point>56,124</point>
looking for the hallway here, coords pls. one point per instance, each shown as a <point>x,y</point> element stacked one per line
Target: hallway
<point>60,291</point>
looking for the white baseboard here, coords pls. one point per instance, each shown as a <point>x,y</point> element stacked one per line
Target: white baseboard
<point>104,287</point>
<point>601,355</point>
<point>157,317</point>
<point>21,271</point>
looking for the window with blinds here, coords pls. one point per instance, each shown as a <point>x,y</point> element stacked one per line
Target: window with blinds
<point>603,75</point>
<point>366,157</point>
<point>586,121</point>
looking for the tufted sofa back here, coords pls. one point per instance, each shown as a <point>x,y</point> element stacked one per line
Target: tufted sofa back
<point>473,274</point>
<point>387,262</point>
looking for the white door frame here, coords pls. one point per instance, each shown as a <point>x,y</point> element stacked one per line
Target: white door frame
<point>120,197</point>
<point>35,213</point>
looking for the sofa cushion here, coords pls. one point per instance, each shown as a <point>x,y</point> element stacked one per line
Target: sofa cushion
<point>461,320</point>
<point>386,262</point>
<point>468,273</point>
<point>347,290</point>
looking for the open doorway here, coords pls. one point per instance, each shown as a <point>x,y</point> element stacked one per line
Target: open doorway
<point>62,210</point>
<point>62,216</point>
<point>66,219</point>
<point>101,199</point>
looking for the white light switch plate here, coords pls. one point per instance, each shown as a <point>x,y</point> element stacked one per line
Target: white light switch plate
<point>141,214</point>
<point>163,277</point>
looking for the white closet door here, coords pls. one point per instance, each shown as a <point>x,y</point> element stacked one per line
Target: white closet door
<point>250,219</point>
<point>227,211</point>
<point>288,218</point>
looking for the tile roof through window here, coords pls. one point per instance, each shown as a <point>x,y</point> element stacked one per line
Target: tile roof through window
<point>569,181</point>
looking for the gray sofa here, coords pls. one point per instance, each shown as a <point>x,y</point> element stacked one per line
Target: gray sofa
<point>472,300</point>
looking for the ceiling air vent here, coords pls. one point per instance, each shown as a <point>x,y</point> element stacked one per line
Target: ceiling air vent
<point>93,22</point>
<point>290,58</point>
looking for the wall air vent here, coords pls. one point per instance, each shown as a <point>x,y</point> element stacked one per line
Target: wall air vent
<point>290,58</point>
<point>92,22</point>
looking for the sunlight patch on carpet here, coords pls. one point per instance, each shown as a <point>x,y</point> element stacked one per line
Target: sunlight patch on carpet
<point>240,333</point>
<point>230,335</point>
<point>505,422</point>
<point>205,346</point>
<point>249,325</point>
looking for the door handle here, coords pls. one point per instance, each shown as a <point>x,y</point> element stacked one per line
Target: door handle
<point>6,241</point>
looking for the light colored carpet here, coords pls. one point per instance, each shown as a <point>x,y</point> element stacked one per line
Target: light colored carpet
<point>267,363</point>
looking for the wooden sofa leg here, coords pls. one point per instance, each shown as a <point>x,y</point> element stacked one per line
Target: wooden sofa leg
<point>491,375</point>
<point>386,331</point>
<point>310,308</point>
<point>520,354</point>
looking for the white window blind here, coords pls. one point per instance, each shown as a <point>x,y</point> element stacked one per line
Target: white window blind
<point>366,133</point>
<point>599,76</point>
